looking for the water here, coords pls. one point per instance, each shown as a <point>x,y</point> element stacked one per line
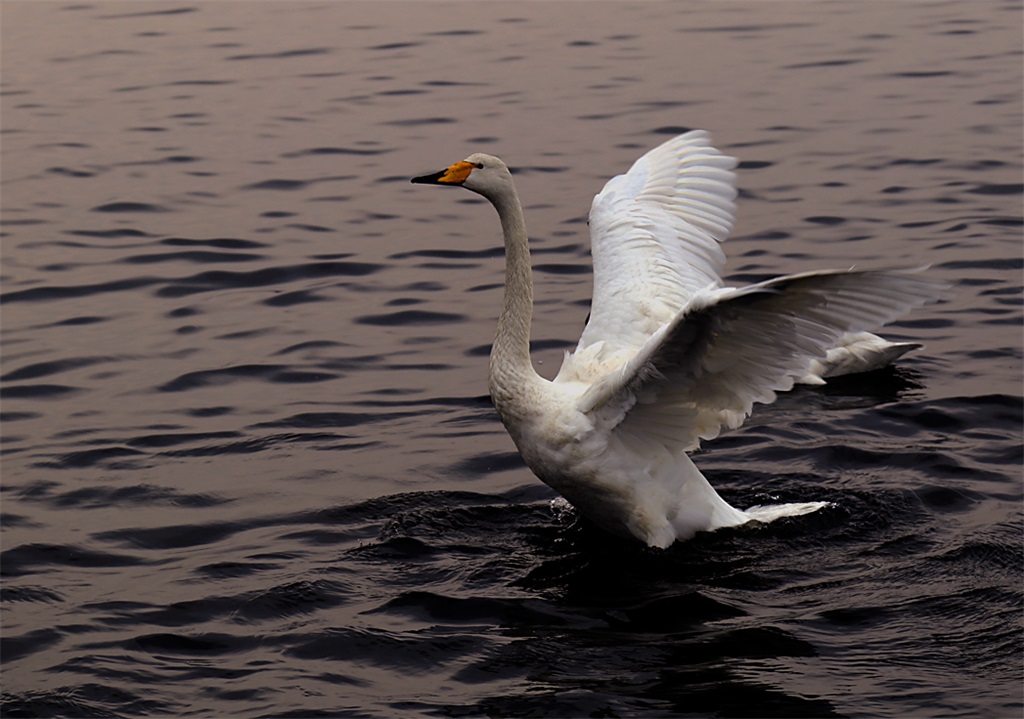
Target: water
<point>250,466</point>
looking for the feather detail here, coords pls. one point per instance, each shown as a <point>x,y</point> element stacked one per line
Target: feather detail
<point>733,347</point>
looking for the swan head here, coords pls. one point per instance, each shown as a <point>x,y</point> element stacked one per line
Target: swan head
<point>484,174</point>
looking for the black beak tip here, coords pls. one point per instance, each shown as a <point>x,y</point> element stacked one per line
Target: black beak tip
<point>428,179</point>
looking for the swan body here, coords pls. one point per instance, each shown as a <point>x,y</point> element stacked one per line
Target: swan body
<point>669,355</point>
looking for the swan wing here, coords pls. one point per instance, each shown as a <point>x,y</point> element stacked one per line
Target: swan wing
<point>655,234</point>
<point>731,348</point>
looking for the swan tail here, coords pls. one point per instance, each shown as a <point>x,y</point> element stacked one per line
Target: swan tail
<point>857,352</point>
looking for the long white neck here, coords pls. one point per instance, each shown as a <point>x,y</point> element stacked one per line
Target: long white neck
<point>511,370</point>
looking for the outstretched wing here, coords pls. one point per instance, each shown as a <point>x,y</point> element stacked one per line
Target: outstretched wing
<point>733,347</point>
<point>655,235</point>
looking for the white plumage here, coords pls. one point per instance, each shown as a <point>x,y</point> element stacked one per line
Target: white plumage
<point>669,356</point>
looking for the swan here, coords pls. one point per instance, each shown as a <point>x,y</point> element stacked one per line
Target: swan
<point>669,356</point>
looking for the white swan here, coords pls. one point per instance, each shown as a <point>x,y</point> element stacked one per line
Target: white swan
<point>669,355</point>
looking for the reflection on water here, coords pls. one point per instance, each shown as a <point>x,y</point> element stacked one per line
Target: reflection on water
<point>249,464</point>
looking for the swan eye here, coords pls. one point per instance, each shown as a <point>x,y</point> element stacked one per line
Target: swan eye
<point>479,165</point>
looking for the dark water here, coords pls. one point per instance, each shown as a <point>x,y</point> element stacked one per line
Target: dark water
<point>250,467</point>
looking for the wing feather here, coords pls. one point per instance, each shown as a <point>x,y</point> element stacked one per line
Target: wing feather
<point>731,348</point>
<point>655,234</point>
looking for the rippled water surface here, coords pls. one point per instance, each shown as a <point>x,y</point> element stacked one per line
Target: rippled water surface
<point>250,467</point>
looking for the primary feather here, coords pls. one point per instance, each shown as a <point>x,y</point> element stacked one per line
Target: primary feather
<point>669,355</point>
<point>655,237</point>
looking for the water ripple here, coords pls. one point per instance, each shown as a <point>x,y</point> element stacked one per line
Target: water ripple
<point>249,463</point>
